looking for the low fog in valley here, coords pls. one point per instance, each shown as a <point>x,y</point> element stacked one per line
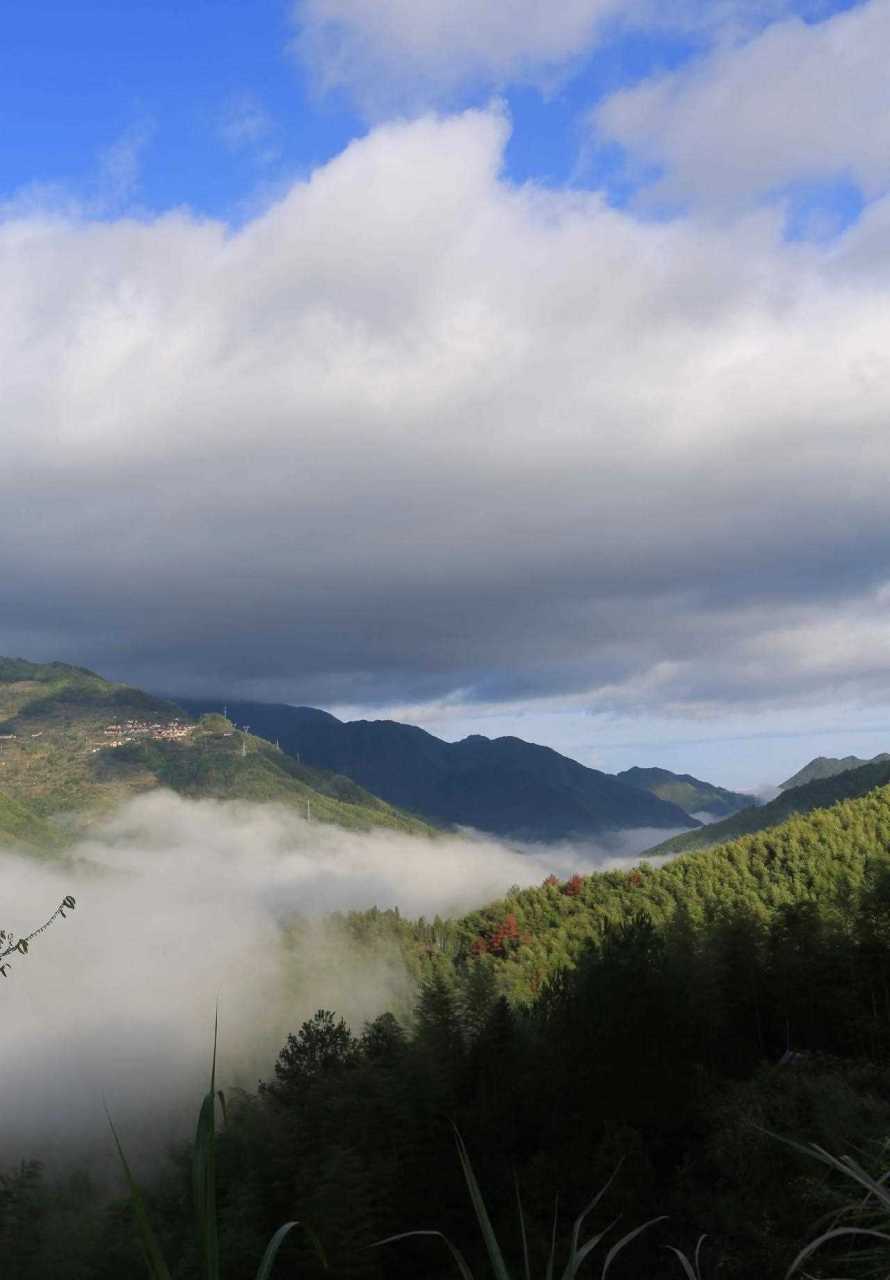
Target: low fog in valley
<point>181,903</point>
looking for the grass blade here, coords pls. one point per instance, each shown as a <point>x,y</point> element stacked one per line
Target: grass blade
<point>315,1241</point>
<point>527,1271</point>
<point>698,1247</point>
<point>811,1248</point>
<point>204,1171</point>
<point>496,1258</point>
<point>466,1273</point>
<point>268,1260</point>
<point>152,1250</point>
<point>846,1165</point>
<point>576,1258</point>
<point>551,1261</point>
<point>265,1268</point>
<point>690,1272</point>
<point>625,1240</point>
<point>691,1269</point>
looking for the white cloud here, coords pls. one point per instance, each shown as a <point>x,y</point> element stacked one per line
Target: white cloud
<point>110,188</point>
<point>797,102</point>
<point>180,906</point>
<point>392,51</point>
<point>398,55</point>
<point>120,170</point>
<point>414,431</point>
<point>246,125</point>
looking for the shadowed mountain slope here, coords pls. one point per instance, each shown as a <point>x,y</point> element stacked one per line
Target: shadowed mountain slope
<point>820,794</point>
<point>504,785</point>
<point>691,794</point>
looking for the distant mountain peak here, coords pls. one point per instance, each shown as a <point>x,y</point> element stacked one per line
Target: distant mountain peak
<point>691,794</point>
<point>315,713</point>
<point>818,793</point>
<point>821,767</point>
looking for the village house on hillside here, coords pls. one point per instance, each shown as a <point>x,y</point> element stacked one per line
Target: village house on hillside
<point>131,730</point>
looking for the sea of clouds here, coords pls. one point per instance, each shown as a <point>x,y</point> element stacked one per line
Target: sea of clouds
<point>180,907</point>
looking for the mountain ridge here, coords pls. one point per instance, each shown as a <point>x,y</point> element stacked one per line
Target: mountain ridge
<point>74,746</point>
<point>691,794</point>
<point>504,786</point>
<point>821,793</point>
<point>823,767</point>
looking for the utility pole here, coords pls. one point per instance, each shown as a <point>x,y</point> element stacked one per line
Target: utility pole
<point>308,811</point>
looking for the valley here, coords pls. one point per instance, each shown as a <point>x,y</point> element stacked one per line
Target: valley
<point>639,1017</point>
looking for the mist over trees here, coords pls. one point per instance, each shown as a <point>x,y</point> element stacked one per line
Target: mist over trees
<point>671,1019</point>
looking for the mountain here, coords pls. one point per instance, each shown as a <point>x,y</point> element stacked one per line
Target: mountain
<point>504,786</point>
<point>19,825</point>
<point>691,794</point>
<point>828,767</point>
<point>73,745</point>
<point>819,794</point>
<point>823,855</point>
<point>700,1009</point>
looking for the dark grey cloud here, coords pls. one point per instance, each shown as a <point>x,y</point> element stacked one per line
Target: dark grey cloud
<point>416,433</point>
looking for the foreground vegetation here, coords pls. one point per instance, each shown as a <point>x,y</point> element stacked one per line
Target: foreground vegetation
<point>669,1020</point>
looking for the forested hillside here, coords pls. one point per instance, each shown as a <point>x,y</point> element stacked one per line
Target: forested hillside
<point>20,826</point>
<point>73,745</point>
<point>663,1021</point>
<point>691,794</point>
<point>819,794</point>
<point>534,933</point>
<point>828,767</point>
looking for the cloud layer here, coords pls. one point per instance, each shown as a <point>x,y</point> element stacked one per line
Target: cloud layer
<point>798,103</point>
<point>180,905</point>
<point>391,51</point>
<point>395,55</point>
<point>414,432</point>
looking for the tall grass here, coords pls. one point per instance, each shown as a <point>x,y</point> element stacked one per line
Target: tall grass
<point>863,1222</point>
<point>578,1253</point>
<point>204,1190</point>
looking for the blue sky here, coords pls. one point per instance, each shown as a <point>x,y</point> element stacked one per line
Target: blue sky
<point>147,106</point>
<point>507,367</point>
<point>79,80</point>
